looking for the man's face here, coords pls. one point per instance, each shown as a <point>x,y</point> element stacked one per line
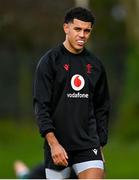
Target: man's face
<point>77,34</point>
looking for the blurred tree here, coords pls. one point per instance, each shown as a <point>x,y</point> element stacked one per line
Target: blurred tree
<point>128,119</point>
<point>27,29</point>
<point>82,3</point>
<point>109,43</point>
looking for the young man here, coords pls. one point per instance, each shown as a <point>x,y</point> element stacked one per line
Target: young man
<point>71,102</point>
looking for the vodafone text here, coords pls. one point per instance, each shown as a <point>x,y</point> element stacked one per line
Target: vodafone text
<point>77,95</point>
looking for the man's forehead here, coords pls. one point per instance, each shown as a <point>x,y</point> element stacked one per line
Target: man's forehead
<point>81,23</point>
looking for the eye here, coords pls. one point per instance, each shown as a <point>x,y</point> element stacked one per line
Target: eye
<point>87,30</point>
<point>77,29</point>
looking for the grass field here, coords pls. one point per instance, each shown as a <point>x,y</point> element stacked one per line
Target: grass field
<point>22,141</point>
<point>18,141</point>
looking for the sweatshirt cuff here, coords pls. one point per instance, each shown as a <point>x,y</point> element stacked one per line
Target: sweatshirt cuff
<point>43,134</point>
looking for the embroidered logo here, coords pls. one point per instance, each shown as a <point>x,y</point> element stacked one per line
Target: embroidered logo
<point>66,67</point>
<point>89,68</point>
<point>95,151</point>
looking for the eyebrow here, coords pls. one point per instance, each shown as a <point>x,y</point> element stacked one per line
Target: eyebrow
<point>87,29</point>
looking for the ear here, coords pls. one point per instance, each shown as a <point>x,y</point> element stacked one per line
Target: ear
<point>66,27</point>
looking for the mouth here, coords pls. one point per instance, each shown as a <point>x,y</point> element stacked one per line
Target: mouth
<point>80,42</point>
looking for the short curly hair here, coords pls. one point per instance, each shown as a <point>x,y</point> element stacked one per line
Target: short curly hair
<point>80,13</point>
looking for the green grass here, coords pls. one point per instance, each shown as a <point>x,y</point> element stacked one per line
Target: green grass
<point>122,160</point>
<point>18,141</point>
<point>22,141</point>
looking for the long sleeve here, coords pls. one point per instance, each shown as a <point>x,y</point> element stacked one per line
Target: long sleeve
<point>102,107</point>
<point>43,85</point>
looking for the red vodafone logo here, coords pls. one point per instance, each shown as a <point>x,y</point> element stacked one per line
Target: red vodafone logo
<point>77,82</point>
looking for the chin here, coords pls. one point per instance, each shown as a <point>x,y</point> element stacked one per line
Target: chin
<point>79,49</point>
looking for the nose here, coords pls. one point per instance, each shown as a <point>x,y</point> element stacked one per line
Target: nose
<point>81,34</point>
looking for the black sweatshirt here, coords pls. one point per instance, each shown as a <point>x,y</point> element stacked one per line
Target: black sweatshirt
<point>71,98</point>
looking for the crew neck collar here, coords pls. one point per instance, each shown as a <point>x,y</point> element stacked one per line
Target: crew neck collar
<point>74,54</point>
